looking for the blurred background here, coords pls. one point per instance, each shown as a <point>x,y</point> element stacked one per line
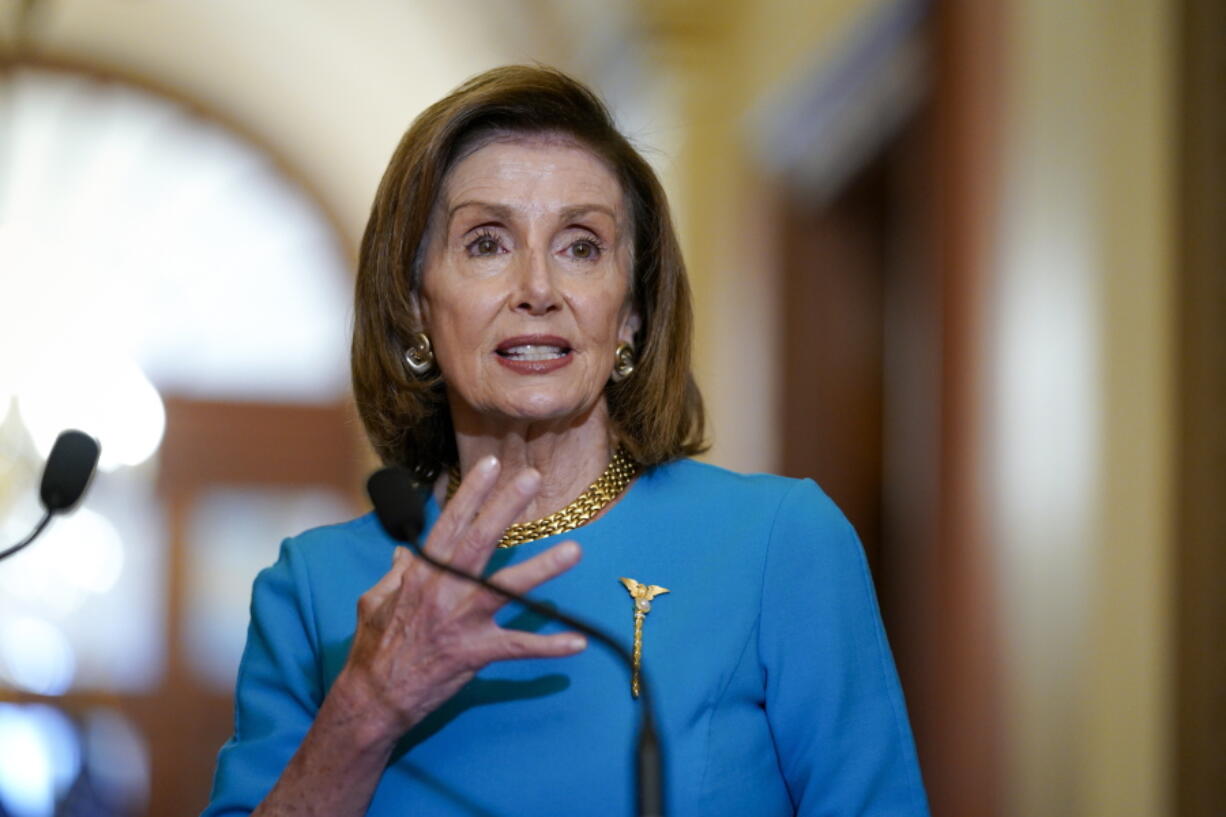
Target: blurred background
<point>962,262</point>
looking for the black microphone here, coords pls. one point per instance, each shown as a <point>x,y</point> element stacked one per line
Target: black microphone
<point>400,510</point>
<point>66,475</point>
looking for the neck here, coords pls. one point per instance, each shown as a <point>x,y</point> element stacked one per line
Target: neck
<point>568,455</point>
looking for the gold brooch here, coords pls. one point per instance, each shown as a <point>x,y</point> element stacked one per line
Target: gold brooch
<point>642,595</point>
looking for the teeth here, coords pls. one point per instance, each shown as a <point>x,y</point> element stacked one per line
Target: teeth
<point>533,352</point>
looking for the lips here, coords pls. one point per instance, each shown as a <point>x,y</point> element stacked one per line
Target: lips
<point>533,347</point>
<point>533,351</point>
<point>534,354</point>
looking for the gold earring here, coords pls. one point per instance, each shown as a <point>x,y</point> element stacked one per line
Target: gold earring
<point>623,362</point>
<point>419,356</point>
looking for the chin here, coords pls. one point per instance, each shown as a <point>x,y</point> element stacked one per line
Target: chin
<point>539,413</point>
<point>544,407</point>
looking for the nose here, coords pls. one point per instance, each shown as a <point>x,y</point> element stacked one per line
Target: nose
<point>536,292</point>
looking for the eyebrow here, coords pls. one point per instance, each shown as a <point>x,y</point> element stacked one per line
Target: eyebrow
<point>571,213</point>
<point>499,210</point>
<point>505,213</point>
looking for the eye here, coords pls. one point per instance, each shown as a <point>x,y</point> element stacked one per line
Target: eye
<point>585,249</point>
<point>484,244</point>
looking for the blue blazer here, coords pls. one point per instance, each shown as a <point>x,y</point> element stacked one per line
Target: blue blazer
<point>776,690</point>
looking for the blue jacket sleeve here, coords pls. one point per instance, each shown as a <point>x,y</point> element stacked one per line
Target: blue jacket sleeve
<point>833,700</point>
<point>278,692</point>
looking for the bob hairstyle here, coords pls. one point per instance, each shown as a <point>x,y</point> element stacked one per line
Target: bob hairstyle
<point>656,412</point>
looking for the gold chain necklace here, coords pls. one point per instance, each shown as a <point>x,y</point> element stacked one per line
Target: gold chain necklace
<point>598,496</point>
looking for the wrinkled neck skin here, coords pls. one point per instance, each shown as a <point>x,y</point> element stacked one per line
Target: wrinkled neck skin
<point>569,453</point>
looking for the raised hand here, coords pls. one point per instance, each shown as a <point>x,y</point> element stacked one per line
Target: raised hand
<point>422,634</point>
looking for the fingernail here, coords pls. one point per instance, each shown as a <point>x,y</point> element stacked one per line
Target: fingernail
<point>488,463</point>
<point>568,551</point>
<point>526,481</point>
<point>576,643</point>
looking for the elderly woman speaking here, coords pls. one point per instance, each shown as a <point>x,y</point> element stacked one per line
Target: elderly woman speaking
<point>522,345</point>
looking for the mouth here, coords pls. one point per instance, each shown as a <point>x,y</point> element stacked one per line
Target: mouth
<point>533,351</point>
<point>536,354</point>
<point>533,348</point>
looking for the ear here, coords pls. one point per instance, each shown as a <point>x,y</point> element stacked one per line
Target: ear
<point>419,310</point>
<point>630,326</point>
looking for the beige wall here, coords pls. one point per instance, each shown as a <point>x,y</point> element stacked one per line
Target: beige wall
<point>1078,390</point>
<point>726,58</point>
<point>1081,394</point>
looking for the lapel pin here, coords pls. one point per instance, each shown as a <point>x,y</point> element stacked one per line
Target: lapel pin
<point>642,594</point>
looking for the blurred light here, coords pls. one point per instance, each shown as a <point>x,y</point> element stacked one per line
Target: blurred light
<point>45,293</point>
<point>118,760</point>
<point>97,575</point>
<point>35,656</point>
<point>27,775</point>
<point>62,743</point>
<point>79,552</point>
<point>142,239</point>
<point>13,250</point>
<point>18,246</point>
<point>87,550</point>
<point>34,578</point>
<point>221,532</point>
<point>106,395</point>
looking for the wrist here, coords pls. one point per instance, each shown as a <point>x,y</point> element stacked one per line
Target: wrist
<point>359,714</point>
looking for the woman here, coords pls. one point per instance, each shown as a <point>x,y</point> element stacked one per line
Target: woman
<point>522,343</point>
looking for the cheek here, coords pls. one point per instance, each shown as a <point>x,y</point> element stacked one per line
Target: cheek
<point>603,310</point>
<point>458,313</point>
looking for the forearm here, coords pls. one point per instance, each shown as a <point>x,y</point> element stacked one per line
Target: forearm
<point>336,769</point>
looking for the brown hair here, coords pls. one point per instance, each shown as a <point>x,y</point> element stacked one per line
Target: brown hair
<point>656,412</point>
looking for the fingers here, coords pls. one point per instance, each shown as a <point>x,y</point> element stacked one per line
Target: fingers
<point>500,509</point>
<point>512,644</point>
<point>476,517</point>
<point>462,508</point>
<point>521,578</point>
<point>390,582</point>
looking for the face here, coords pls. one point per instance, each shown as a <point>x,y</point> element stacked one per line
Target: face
<point>525,290</point>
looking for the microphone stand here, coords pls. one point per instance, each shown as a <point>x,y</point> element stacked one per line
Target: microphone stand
<point>33,535</point>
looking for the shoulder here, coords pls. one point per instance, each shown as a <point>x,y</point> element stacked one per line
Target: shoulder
<point>362,531</point>
<point>751,517</point>
<point>784,499</point>
<point>329,554</point>
<point>317,578</point>
<point>692,475</point>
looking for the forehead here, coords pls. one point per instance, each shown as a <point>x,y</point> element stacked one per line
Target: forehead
<point>533,173</point>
